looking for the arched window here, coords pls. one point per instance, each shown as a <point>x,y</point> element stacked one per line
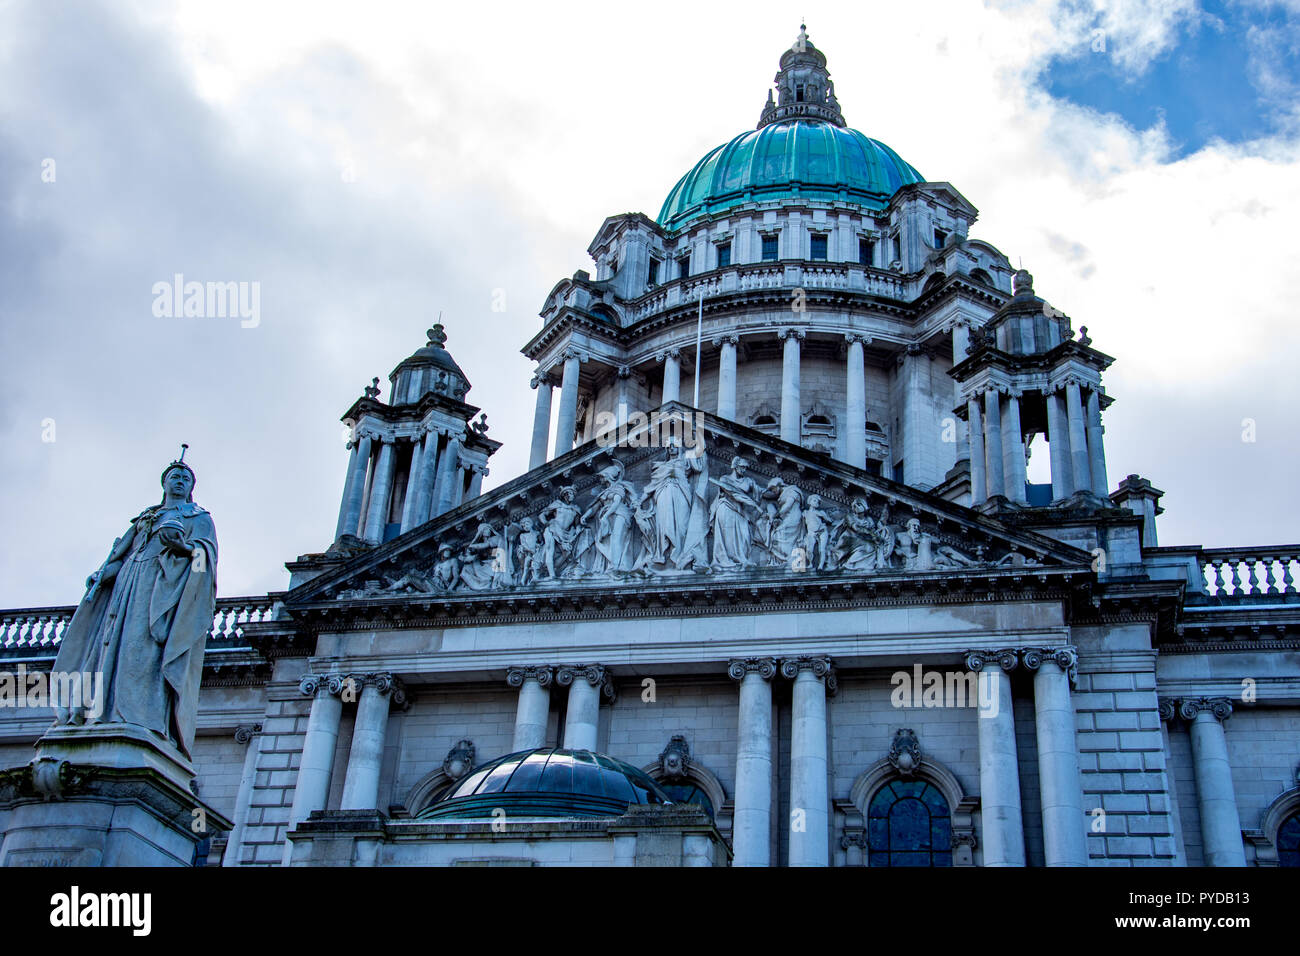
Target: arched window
<point>689,792</point>
<point>1288,841</point>
<point>909,824</point>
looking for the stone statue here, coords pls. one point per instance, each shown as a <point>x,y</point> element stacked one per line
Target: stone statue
<point>486,561</point>
<point>783,520</point>
<point>144,619</point>
<point>670,512</point>
<point>446,573</point>
<point>528,550</point>
<point>560,527</point>
<point>862,543</point>
<point>730,517</point>
<point>817,534</point>
<point>614,537</point>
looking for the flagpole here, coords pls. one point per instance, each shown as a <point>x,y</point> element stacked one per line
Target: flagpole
<point>699,332</point>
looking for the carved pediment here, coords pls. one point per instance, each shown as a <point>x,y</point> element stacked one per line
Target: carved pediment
<point>673,501</point>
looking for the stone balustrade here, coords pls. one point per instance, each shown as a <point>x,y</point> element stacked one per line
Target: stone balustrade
<point>23,630</point>
<point>846,276</point>
<point>1265,572</point>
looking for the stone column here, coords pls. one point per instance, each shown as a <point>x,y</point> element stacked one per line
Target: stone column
<point>313,786</point>
<point>448,472</point>
<point>541,421</point>
<point>1220,823</point>
<point>993,443</point>
<point>477,474</point>
<point>960,343</point>
<point>727,375</point>
<point>790,385</point>
<point>1058,443</point>
<point>624,376</point>
<point>413,476</point>
<point>349,481</point>
<point>1096,446</point>
<point>249,735</point>
<point>428,477</point>
<point>1013,450</point>
<point>978,470</point>
<point>534,711</point>
<point>809,796</point>
<point>568,420</point>
<point>1078,441</point>
<point>458,484</point>
<point>1000,815</point>
<point>366,758</point>
<point>751,828</point>
<point>855,435</point>
<point>380,493</point>
<point>1061,786</point>
<point>586,686</point>
<point>672,390</point>
<point>350,522</point>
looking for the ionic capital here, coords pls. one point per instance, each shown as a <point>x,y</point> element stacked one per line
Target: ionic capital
<point>312,685</point>
<point>1066,658</point>
<point>541,378</point>
<point>820,667</point>
<point>1006,659</point>
<point>861,337</point>
<point>764,667</point>
<point>597,675</point>
<point>720,340</point>
<point>665,354</point>
<point>246,732</point>
<point>516,676</point>
<point>573,353</point>
<point>1219,707</point>
<point>851,838</point>
<point>791,333</point>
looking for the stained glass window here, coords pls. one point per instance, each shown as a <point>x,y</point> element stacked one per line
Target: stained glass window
<point>1288,841</point>
<point>908,824</point>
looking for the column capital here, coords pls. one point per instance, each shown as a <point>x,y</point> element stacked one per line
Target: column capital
<point>821,667</point>
<point>730,339</point>
<point>764,667</point>
<point>791,333</point>
<point>860,337</point>
<point>1066,658</point>
<point>544,675</point>
<point>385,683</point>
<point>1006,659</point>
<point>850,838</point>
<point>313,684</point>
<point>541,378</point>
<point>597,675</point>
<point>663,354</point>
<point>1218,707</point>
<point>246,732</point>
<point>572,352</point>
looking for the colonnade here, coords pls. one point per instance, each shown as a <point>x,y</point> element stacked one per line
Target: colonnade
<point>442,474</point>
<point>997,447</point>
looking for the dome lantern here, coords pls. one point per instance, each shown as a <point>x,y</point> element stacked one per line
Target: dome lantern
<point>804,87</point>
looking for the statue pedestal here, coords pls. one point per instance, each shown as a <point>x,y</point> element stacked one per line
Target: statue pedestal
<point>103,795</point>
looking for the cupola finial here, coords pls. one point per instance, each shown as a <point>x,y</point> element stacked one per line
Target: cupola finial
<point>803,87</point>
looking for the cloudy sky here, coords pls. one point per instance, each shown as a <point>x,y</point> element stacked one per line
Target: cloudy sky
<point>371,165</point>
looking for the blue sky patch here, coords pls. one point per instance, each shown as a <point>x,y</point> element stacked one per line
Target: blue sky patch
<point>1204,86</point>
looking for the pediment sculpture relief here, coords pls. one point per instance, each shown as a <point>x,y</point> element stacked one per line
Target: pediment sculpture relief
<point>680,521</point>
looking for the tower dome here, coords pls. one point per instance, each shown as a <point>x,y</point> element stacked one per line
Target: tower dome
<point>548,782</point>
<point>802,149</point>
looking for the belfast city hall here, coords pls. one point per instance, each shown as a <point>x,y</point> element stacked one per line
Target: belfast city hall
<point>776,589</point>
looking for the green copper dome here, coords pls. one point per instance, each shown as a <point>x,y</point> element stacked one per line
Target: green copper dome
<point>547,782</point>
<point>791,159</point>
